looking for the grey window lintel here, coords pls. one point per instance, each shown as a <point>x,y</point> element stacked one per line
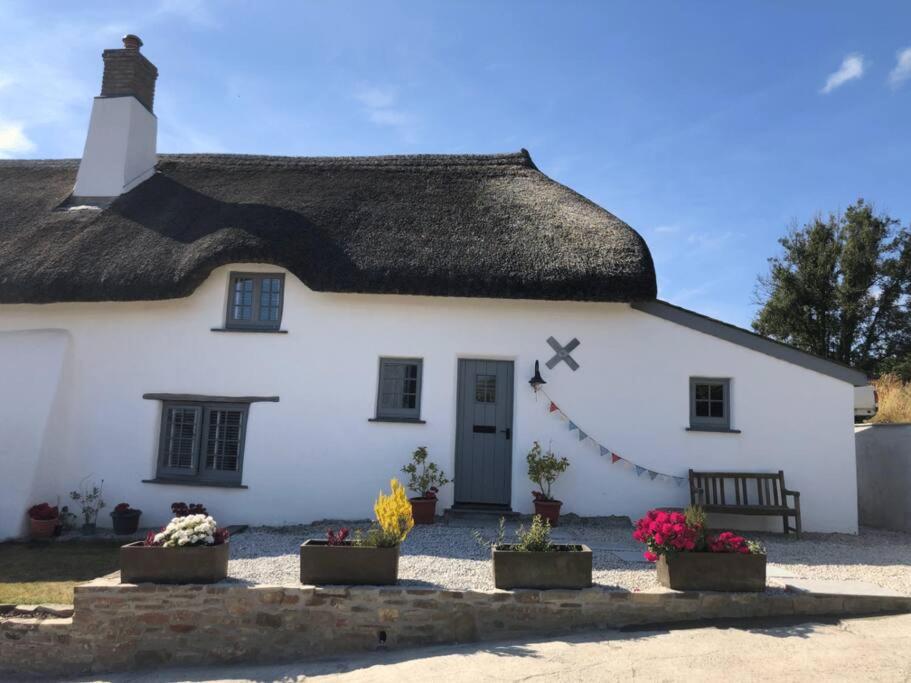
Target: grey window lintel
<point>718,430</point>
<point>197,398</point>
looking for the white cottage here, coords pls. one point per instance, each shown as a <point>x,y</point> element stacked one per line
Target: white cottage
<point>273,336</point>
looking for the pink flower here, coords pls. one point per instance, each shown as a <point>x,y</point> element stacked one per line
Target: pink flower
<point>650,556</point>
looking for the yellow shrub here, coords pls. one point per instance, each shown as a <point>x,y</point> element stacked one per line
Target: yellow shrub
<point>894,400</point>
<point>393,515</point>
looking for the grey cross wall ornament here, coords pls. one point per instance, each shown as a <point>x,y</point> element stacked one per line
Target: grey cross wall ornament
<point>563,353</point>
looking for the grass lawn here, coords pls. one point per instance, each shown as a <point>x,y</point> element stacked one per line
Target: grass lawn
<point>32,573</point>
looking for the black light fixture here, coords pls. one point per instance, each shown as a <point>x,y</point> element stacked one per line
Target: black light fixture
<point>537,381</point>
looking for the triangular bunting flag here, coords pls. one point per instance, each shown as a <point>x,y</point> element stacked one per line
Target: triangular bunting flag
<point>639,470</point>
<point>652,475</point>
<point>572,425</point>
<point>553,407</point>
<point>604,451</point>
<point>614,458</point>
<point>582,435</point>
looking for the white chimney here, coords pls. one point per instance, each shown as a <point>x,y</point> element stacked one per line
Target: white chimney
<point>120,148</point>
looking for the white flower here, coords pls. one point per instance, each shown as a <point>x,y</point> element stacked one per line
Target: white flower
<point>188,531</point>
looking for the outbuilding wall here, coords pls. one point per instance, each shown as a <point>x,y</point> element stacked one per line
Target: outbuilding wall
<point>314,455</point>
<point>884,475</point>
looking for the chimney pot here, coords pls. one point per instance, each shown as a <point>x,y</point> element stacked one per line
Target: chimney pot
<point>132,42</point>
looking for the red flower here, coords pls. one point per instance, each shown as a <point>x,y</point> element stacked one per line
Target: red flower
<point>650,556</point>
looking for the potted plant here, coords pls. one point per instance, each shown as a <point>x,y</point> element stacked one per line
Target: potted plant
<point>190,549</point>
<point>426,480</point>
<point>371,558</point>
<point>91,502</point>
<point>43,520</point>
<point>689,558</point>
<point>543,470</point>
<point>125,519</point>
<point>533,561</point>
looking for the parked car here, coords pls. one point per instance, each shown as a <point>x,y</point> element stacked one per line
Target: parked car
<point>866,402</point>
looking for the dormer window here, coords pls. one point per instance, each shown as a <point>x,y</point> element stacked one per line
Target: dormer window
<point>255,301</point>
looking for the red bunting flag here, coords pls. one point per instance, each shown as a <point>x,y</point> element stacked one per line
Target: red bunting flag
<point>614,458</point>
<point>553,407</point>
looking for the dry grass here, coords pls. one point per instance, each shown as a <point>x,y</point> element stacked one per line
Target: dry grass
<point>894,400</point>
<point>46,572</point>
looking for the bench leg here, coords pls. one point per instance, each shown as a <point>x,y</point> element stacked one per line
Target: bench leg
<point>787,526</point>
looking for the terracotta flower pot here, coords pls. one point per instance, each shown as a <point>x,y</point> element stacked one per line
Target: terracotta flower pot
<point>549,510</point>
<point>42,528</point>
<point>423,510</point>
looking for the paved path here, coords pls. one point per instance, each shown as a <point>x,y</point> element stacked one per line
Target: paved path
<point>875,649</point>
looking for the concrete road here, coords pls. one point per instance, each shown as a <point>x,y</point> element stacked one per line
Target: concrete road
<point>873,649</point>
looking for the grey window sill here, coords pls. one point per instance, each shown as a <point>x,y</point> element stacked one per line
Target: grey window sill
<point>193,482</point>
<point>260,330</point>
<point>402,420</point>
<point>716,430</point>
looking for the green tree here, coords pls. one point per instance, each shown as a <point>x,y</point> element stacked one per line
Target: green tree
<point>841,290</point>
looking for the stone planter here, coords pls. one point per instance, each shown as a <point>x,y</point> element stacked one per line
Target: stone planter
<point>126,522</point>
<point>423,510</point>
<point>569,566</point>
<point>549,510</point>
<point>153,564</point>
<point>712,571</point>
<point>42,528</point>
<point>346,564</point>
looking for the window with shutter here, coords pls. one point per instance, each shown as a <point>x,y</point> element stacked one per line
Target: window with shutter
<point>255,301</point>
<point>216,431</point>
<point>399,392</point>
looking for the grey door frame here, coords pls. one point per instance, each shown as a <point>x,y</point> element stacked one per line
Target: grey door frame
<point>457,441</point>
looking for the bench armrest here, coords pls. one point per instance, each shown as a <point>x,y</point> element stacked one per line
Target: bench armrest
<point>789,492</point>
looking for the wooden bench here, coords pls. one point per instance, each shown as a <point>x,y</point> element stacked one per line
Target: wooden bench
<point>746,493</point>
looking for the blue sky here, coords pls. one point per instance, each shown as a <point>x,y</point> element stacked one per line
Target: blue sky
<point>709,127</point>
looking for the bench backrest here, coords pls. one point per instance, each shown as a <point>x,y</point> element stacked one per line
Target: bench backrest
<point>760,489</point>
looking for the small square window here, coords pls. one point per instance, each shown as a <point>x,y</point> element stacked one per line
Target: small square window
<point>710,403</point>
<point>399,392</point>
<point>255,301</point>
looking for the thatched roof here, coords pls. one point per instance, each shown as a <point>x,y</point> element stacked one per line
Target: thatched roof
<point>475,226</point>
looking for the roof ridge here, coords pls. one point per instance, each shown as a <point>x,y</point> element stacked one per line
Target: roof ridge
<point>521,159</point>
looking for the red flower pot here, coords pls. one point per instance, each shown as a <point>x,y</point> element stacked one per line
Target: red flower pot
<point>42,528</point>
<point>423,510</point>
<point>549,510</point>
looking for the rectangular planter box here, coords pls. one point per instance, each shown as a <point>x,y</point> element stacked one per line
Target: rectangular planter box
<point>712,571</point>
<point>151,564</point>
<point>348,564</point>
<point>565,567</point>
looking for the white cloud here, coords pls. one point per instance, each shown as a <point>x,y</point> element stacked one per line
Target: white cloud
<point>382,108</point>
<point>13,140</point>
<point>667,229</point>
<point>902,70</point>
<point>852,68</point>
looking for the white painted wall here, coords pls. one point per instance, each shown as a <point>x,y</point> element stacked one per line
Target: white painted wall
<point>120,149</point>
<point>32,412</point>
<point>314,455</point>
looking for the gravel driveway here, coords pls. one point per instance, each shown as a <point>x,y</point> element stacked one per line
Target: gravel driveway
<point>447,556</point>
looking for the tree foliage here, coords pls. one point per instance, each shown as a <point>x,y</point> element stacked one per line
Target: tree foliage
<point>841,290</point>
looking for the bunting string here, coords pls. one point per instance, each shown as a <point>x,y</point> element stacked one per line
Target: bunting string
<point>604,451</point>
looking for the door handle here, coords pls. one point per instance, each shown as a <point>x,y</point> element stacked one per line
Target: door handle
<point>507,432</point>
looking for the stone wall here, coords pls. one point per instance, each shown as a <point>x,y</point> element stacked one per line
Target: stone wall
<point>121,626</point>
